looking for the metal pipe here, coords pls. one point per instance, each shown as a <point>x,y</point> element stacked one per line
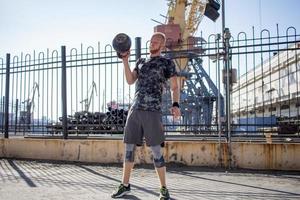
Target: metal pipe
<point>223,17</point>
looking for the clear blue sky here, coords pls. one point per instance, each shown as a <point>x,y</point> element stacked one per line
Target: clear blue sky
<point>36,24</point>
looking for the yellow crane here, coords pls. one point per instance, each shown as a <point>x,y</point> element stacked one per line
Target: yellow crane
<point>182,21</point>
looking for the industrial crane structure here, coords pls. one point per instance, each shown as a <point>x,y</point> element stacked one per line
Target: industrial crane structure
<point>198,91</point>
<point>87,102</point>
<point>182,21</point>
<point>26,114</point>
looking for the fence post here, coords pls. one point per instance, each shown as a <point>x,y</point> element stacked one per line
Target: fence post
<point>6,114</point>
<point>64,92</point>
<point>138,47</point>
<point>227,36</point>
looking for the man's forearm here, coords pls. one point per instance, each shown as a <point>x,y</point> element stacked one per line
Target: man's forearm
<point>128,73</point>
<point>175,95</point>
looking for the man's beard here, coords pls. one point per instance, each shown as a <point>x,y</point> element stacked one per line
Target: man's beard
<point>154,51</point>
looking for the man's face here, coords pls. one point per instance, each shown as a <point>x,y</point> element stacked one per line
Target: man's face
<point>155,44</point>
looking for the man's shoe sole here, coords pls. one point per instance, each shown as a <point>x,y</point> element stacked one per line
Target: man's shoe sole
<point>122,194</point>
<point>164,198</point>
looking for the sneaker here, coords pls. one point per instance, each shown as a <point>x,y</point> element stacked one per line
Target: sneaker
<point>121,191</point>
<point>164,194</point>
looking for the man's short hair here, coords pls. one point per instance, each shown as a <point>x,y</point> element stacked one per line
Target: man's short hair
<point>161,35</point>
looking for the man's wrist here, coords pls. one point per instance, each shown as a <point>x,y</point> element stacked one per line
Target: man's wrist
<point>175,104</point>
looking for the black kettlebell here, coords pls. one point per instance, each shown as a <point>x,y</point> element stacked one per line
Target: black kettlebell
<point>121,43</point>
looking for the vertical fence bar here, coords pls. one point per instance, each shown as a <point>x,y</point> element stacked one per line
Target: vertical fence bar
<point>64,91</point>
<point>138,47</point>
<point>16,115</point>
<point>6,116</point>
<point>2,113</point>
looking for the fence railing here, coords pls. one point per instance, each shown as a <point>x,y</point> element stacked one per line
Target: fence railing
<point>234,86</point>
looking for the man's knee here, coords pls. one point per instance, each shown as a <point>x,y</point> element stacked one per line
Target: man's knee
<point>158,158</point>
<point>158,163</point>
<point>129,152</point>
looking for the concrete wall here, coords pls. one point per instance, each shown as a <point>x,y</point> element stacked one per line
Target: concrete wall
<point>266,156</point>
<point>1,148</point>
<point>193,153</point>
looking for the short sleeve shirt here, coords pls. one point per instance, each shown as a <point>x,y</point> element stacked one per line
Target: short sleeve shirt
<point>152,75</point>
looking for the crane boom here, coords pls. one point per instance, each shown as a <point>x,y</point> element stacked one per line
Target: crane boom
<point>195,16</point>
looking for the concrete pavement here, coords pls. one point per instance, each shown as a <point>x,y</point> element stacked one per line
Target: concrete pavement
<point>38,180</point>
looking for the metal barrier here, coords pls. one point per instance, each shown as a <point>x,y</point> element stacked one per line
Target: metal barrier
<point>233,87</point>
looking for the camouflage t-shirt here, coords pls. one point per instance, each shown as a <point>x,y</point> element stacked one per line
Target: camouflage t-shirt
<point>152,75</point>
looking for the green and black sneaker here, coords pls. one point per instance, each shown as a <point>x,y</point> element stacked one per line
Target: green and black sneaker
<point>164,194</point>
<point>121,191</point>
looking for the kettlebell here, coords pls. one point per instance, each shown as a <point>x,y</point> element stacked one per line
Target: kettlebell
<point>121,43</point>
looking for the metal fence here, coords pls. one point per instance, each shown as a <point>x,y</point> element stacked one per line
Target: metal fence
<point>265,98</point>
<point>232,87</point>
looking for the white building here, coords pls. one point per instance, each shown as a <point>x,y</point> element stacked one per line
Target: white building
<point>272,88</point>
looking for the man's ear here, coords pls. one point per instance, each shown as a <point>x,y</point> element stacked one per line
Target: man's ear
<point>162,47</point>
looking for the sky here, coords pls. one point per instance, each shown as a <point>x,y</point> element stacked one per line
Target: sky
<point>28,25</point>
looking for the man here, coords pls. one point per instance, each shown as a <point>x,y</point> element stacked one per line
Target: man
<point>145,118</point>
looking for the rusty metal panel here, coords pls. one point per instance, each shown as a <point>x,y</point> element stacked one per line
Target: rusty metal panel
<point>172,32</point>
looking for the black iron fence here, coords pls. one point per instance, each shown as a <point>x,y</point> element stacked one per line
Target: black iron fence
<point>231,86</point>
<point>265,98</point>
